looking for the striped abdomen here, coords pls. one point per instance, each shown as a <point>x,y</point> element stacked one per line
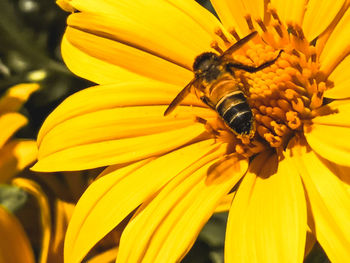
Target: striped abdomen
<point>235,111</point>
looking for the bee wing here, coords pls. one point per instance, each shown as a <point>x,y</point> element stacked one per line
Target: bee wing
<point>238,44</point>
<point>179,97</point>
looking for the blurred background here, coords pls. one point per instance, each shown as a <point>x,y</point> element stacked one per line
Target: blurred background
<point>30,35</point>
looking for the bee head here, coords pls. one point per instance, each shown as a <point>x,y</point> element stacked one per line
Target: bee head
<point>204,62</point>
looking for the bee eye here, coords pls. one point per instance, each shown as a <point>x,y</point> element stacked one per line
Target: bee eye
<point>204,61</point>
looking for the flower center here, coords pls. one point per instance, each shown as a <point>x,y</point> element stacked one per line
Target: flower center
<point>284,95</point>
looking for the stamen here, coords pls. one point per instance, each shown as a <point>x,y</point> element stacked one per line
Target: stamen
<point>262,109</point>
<point>261,24</point>
<point>284,95</point>
<point>275,141</point>
<point>298,105</point>
<point>262,130</point>
<point>292,30</point>
<point>279,129</point>
<point>313,57</point>
<point>299,32</point>
<point>290,94</point>
<point>296,53</point>
<point>298,67</point>
<point>297,88</point>
<point>234,33</point>
<point>249,21</point>
<point>266,121</point>
<point>307,73</point>
<point>317,97</point>
<point>278,30</point>
<point>274,14</point>
<point>215,45</point>
<point>293,120</point>
<point>298,40</point>
<point>221,34</point>
<point>278,113</point>
<point>284,105</point>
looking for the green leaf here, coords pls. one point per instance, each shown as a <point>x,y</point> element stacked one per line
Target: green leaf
<point>12,197</point>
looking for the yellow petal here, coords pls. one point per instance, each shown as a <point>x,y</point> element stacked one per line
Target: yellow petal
<point>35,190</point>
<point>335,113</point>
<point>319,15</point>
<point>336,48</point>
<point>153,27</point>
<point>14,244</point>
<point>10,123</point>
<point>206,20</point>
<point>89,154</point>
<point>118,192</point>
<point>63,213</point>
<point>127,57</point>
<point>16,96</point>
<point>15,156</point>
<point>129,93</point>
<point>232,13</point>
<point>267,221</point>
<point>165,227</point>
<point>342,172</point>
<point>138,38</point>
<point>329,135</point>
<point>173,18</point>
<point>290,11</point>
<point>336,147</point>
<point>340,76</point>
<point>92,129</point>
<point>106,256</point>
<point>102,72</point>
<point>115,124</point>
<point>65,5</point>
<point>225,203</point>
<point>329,201</point>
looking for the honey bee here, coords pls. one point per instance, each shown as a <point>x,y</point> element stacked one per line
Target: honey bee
<point>215,84</point>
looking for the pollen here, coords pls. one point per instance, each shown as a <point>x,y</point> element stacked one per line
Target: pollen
<point>284,95</point>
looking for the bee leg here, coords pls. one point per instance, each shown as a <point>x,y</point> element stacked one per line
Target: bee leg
<point>207,126</point>
<point>251,69</point>
<point>207,102</point>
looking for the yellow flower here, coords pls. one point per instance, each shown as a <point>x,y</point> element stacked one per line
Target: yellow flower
<point>171,173</point>
<point>14,246</point>
<point>46,215</point>
<point>15,156</point>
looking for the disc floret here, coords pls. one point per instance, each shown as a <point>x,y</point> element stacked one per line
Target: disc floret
<point>284,95</point>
